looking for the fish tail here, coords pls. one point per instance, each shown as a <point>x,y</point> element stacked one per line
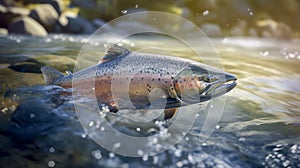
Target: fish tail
<point>50,74</point>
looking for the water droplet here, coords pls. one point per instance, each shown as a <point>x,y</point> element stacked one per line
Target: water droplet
<point>91,124</point>
<point>84,135</point>
<point>177,153</point>
<point>250,12</point>
<point>218,126</point>
<point>51,163</point>
<point>123,11</point>
<point>206,12</point>
<point>111,155</point>
<point>179,164</point>
<point>292,55</point>
<point>136,6</point>
<point>140,152</point>
<point>191,159</point>
<point>97,154</point>
<point>242,139</point>
<point>225,40</point>
<point>264,53</point>
<point>48,40</point>
<point>32,115</point>
<point>138,129</point>
<point>155,159</point>
<point>154,140</point>
<point>116,146</point>
<point>145,157</point>
<point>102,128</point>
<point>51,149</point>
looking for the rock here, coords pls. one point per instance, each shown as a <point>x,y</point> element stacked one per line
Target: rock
<point>45,15</point>
<point>75,24</point>
<point>58,5</point>
<point>10,13</point>
<point>27,26</point>
<point>11,79</point>
<point>212,30</point>
<point>60,63</point>
<point>28,67</point>
<point>273,29</point>
<point>3,31</point>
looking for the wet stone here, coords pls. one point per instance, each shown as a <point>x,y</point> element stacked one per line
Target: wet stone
<point>26,26</point>
<point>45,15</point>
<point>26,67</point>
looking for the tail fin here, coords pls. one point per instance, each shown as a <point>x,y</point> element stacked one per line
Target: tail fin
<point>50,74</point>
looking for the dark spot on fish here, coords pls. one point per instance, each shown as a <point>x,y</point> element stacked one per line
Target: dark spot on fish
<point>152,79</point>
<point>142,78</point>
<point>131,79</point>
<point>158,79</point>
<point>166,81</point>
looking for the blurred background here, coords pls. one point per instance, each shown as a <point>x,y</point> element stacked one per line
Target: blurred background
<point>218,18</point>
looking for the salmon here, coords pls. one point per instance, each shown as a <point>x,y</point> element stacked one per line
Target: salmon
<point>133,80</point>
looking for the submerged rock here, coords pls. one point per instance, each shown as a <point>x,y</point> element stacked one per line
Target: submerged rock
<point>60,63</point>
<point>26,67</point>
<point>45,15</point>
<point>27,26</point>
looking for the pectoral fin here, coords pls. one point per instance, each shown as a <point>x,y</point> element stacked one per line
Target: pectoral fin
<point>169,113</point>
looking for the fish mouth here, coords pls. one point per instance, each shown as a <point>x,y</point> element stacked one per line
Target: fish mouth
<point>219,88</point>
<point>214,89</point>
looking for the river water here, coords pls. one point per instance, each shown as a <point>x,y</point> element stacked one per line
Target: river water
<point>259,127</point>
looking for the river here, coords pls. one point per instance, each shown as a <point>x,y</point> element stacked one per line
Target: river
<point>259,126</point>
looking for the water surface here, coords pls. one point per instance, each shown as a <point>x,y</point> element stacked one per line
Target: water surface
<point>260,125</point>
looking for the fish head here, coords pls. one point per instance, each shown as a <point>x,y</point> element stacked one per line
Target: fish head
<point>199,84</point>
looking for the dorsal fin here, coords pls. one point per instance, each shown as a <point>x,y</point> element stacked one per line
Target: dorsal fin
<point>113,51</point>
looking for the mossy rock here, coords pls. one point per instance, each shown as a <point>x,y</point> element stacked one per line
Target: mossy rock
<point>60,63</point>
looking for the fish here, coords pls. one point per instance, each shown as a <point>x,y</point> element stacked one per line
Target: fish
<point>132,80</point>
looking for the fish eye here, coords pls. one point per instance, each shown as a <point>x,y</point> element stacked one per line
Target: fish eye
<point>208,78</point>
